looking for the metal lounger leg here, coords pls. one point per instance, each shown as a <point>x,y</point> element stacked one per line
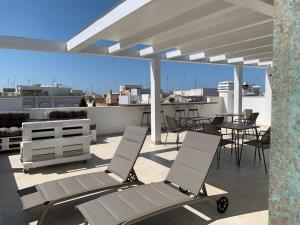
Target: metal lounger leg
<point>43,216</point>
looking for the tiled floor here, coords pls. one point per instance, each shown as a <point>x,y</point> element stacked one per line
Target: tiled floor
<point>247,187</point>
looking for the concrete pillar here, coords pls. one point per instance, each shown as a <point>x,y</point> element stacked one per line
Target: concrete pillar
<point>268,95</point>
<point>285,141</point>
<point>238,82</point>
<point>155,101</point>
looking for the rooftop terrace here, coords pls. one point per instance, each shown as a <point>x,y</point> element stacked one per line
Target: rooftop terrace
<point>247,186</point>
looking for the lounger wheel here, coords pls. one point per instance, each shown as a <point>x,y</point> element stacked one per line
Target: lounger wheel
<point>182,190</point>
<point>222,204</point>
<point>25,171</point>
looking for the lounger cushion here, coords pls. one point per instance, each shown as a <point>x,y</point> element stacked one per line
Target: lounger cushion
<point>13,119</point>
<point>4,132</point>
<point>15,132</point>
<point>128,150</point>
<point>10,132</point>
<point>193,161</point>
<point>66,114</point>
<point>93,127</point>
<point>117,208</point>
<point>63,188</point>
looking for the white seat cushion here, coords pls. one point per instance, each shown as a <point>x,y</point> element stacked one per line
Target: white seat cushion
<point>119,207</point>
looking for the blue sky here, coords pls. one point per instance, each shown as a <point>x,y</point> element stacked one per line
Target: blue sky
<point>61,20</point>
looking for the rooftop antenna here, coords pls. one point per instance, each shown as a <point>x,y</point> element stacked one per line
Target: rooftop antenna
<point>7,82</point>
<point>167,80</point>
<point>53,81</point>
<point>29,81</point>
<point>14,81</point>
<point>195,81</point>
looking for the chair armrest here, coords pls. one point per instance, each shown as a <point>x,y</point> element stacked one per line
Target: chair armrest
<point>262,132</point>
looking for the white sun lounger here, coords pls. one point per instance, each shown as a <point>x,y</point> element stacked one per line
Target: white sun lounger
<point>183,186</point>
<point>122,164</point>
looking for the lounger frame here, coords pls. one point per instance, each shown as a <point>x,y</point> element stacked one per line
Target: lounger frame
<point>131,180</point>
<point>195,197</point>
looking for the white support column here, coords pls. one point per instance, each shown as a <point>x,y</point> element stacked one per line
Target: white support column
<point>268,95</point>
<point>155,101</point>
<point>238,82</point>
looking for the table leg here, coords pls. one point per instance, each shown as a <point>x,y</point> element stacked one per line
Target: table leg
<point>241,149</point>
<point>238,147</point>
<point>233,139</point>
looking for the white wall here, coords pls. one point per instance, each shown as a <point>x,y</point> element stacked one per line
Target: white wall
<point>114,119</point>
<point>11,104</point>
<point>227,102</point>
<point>258,104</point>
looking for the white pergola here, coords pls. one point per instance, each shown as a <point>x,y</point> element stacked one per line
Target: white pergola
<point>235,32</point>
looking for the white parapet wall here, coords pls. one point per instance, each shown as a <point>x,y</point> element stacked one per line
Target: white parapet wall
<point>114,119</point>
<point>258,104</point>
<point>11,104</point>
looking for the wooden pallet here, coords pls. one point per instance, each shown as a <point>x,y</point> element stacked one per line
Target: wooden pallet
<point>55,142</point>
<point>10,143</point>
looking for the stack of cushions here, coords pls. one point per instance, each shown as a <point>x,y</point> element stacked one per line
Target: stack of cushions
<point>65,115</point>
<point>69,115</point>
<point>11,123</point>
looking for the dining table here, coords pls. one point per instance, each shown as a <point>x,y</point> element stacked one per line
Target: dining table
<point>237,129</point>
<point>195,120</point>
<point>232,115</point>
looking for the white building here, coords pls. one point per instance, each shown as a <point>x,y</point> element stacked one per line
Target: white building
<point>9,92</point>
<point>43,90</point>
<point>199,94</point>
<point>250,89</point>
<point>130,94</point>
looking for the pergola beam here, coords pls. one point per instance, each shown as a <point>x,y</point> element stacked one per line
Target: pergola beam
<point>235,20</point>
<point>250,52</point>
<point>204,8</point>
<point>254,43</point>
<point>90,35</point>
<point>259,31</point>
<point>262,6</point>
<point>31,44</point>
<point>259,56</point>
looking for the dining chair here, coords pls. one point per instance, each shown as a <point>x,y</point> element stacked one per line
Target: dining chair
<point>210,128</point>
<point>173,127</point>
<point>261,143</point>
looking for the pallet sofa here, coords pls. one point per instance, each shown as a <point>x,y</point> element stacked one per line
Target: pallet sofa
<point>69,115</point>
<point>55,142</point>
<point>10,129</point>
